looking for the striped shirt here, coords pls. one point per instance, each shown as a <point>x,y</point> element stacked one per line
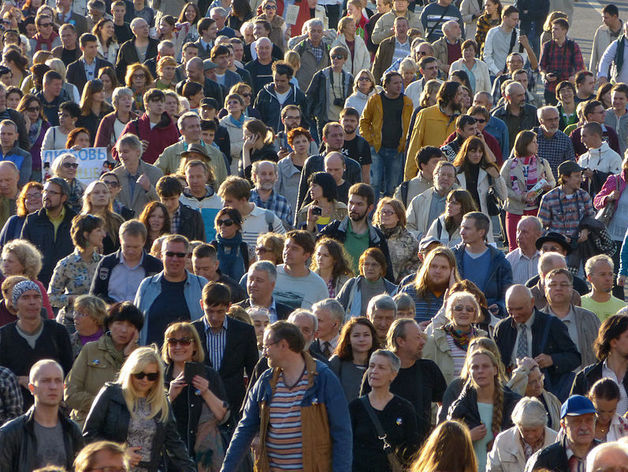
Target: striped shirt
<point>284,439</point>
<point>523,267</point>
<point>457,356</point>
<point>425,307</point>
<point>216,343</point>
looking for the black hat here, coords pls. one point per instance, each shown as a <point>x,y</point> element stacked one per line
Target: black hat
<point>568,167</point>
<point>554,237</point>
<point>209,102</point>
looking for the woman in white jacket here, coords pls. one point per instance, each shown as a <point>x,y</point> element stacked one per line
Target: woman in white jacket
<point>477,172</point>
<point>363,87</point>
<point>476,69</point>
<point>234,121</point>
<point>359,57</point>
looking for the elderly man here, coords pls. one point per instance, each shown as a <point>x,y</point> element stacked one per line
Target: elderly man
<point>514,446</point>
<point>393,50</point>
<point>525,257</point>
<point>219,15</point>
<point>607,457</point>
<point>447,49</point>
<point>577,421</point>
<point>9,176</point>
<point>139,49</point>
<point>548,262</point>
<point>331,316</point>
<point>600,274</point>
<point>314,52</point>
<point>433,16</point>
<point>426,160</point>
<point>381,311</point>
<point>261,68</point>
<point>528,332</point>
<point>384,26</point>
<point>264,176</point>
<point>554,145</point>
<point>515,112</point>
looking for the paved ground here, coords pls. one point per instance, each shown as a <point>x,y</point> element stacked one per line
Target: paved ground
<point>587,17</point>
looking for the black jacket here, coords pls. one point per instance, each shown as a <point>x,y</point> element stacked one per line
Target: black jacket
<point>558,345</point>
<point>588,376</point>
<point>76,72</point>
<point>127,55</point>
<point>191,223</point>
<point>553,457</point>
<point>466,408</point>
<point>210,89</point>
<point>109,418</point>
<point>19,443</point>
<point>39,230</point>
<point>102,276</point>
<point>269,107</point>
<point>240,355</point>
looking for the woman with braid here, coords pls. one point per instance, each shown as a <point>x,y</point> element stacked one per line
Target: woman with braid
<point>485,404</point>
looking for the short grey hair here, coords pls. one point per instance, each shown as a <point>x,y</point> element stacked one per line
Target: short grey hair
<point>119,92</point>
<point>381,302</point>
<point>136,21</point>
<point>265,266</point>
<point>261,40</point>
<point>541,111</point>
<point>592,457</point>
<point>129,140</point>
<point>164,44</point>
<point>312,22</point>
<point>511,86</point>
<point>547,261</point>
<point>257,164</point>
<point>395,362</point>
<point>296,314</point>
<point>529,413</point>
<point>185,116</point>
<point>220,10</point>
<point>447,25</point>
<point>333,306</point>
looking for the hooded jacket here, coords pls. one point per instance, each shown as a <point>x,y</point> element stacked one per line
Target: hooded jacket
<point>269,107</point>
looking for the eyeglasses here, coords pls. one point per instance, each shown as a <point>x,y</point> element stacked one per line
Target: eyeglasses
<point>33,109</point>
<point>266,346</point>
<point>51,192</point>
<point>70,165</point>
<point>139,76</point>
<point>150,376</point>
<point>45,25</point>
<point>262,249</point>
<point>364,79</point>
<point>181,341</point>
<point>111,183</point>
<point>270,7</point>
<point>36,196</point>
<point>179,255</point>
<point>480,120</point>
<point>337,56</point>
<point>224,222</point>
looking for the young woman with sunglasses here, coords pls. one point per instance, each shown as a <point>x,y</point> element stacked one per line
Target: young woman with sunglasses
<point>232,252</point>
<point>135,410</point>
<point>37,125</point>
<point>182,345</point>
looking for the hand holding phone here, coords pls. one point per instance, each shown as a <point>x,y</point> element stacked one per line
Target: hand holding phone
<point>192,369</point>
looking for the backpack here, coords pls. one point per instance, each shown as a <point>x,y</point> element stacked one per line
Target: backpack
<point>270,219</point>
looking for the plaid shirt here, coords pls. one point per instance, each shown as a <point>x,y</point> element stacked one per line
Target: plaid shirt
<point>563,61</point>
<point>556,149</point>
<point>176,220</point>
<point>563,215</point>
<point>317,51</point>
<point>276,203</point>
<point>484,24</point>
<point>10,396</point>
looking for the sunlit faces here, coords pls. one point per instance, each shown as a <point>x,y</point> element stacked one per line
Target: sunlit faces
<point>380,372</point>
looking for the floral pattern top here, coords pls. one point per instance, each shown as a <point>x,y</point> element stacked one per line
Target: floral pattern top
<point>403,249</point>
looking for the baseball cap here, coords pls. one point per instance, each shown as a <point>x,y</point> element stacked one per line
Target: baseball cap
<point>576,405</point>
<point>568,167</point>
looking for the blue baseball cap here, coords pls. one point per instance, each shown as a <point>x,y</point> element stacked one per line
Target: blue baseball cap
<point>576,405</point>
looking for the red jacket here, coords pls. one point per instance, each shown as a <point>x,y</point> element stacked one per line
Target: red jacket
<point>164,134</point>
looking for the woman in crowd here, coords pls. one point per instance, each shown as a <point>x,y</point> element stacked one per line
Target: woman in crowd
<point>429,94</point>
<point>485,405</point>
<point>521,173</point>
<point>245,91</point>
<point>173,105</point>
<point>166,73</point>
<point>136,411</point>
<point>358,291</point>
<point>476,70</point>
<point>66,165</point>
<point>97,201</point>
<point>513,447</point>
<point>37,125</point>
<point>491,17</point>
<point>390,219</point>
<point>93,107</point>
<point>194,418</point>
<point>605,396</point>
<point>354,11</point>
<point>357,341</point>
<point>324,206</point>
<point>57,136</point>
<point>232,252</point>
<point>290,167</point>
<point>363,89</point>
<point>21,257</point>
<point>565,95</point>
<point>28,201</point>
<point>405,306</point>
<point>188,21</point>
<point>111,126</point>
<point>109,81</point>
<point>446,228</point>
<point>8,313</point>
<point>436,456</point>
<point>604,95</point>
<point>447,345</point>
<point>139,79</point>
<point>14,95</point>
<point>107,44</point>
<point>269,247</point>
<point>18,64</point>
<point>240,12</point>
<point>258,146</point>
<point>78,138</point>
<point>408,70</point>
<point>381,410</point>
<point>155,218</point>
<point>167,31</point>
<point>331,262</point>
<point>89,320</point>
<point>234,123</point>
<point>100,361</point>
<point>359,57</point>
<point>73,275</point>
<point>278,27</point>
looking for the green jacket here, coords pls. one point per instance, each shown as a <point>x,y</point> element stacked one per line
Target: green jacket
<point>170,159</point>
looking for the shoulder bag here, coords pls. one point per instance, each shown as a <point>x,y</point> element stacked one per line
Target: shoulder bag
<point>393,460</point>
<point>605,215</point>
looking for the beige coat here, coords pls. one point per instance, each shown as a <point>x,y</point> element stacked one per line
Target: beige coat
<point>515,203</point>
<point>507,453</point>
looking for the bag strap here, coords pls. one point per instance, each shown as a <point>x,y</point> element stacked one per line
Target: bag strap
<point>393,460</point>
<point>438,22</point>
<point>513,40</point>
<point>404,192</point>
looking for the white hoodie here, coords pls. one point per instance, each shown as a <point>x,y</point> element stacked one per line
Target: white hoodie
<point>602,159</point>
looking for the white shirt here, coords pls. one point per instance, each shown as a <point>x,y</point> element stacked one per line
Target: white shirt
<point>622,405</point>
<point>523,267</point>
<point>528,324</point>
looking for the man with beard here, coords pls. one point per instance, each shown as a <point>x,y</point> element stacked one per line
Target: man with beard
<point>356,146</point>
<point>264,175</point>
<point>600,274</point>
<point>356,231</point>
<point>291,118</point>
<point>515,112</point>
<point>419,381</point>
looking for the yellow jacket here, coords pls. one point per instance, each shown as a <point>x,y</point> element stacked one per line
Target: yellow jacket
<point>372,121</point>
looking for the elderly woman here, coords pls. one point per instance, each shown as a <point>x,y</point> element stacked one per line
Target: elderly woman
<point>269,247</point>
<point>72,276</point>
<point>89,318</point>
<point>447,345</point>
<point>363,89</point>
<point>477,70</point>
<point>408,70</point>
<point>390,219</point>
<point>382,412</point>
<point>28,201</point>
<point>358,291</point>
<point>512,448</point>
<point>359,57</point>
<point>65,166</point>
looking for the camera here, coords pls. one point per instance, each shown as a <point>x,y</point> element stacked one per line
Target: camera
<point>339,102</point>
<point>317,211</point>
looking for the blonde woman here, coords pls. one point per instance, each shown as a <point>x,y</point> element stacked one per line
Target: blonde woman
<point>97,200</point>
<point>89,321</point>
<point>135,410</point>
<point>65,166</point>
<point>363,89</point>
<point>359,57</point>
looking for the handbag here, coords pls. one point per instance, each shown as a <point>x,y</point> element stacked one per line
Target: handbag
<point>493,202</point>
<point>605,215</point>
<point>393,460</point>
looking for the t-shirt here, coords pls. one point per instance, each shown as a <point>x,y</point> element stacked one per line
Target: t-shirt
<point>169,306</point>
<point>393,127</point>
<point>299,292</point>
<point>50,446</point>
<point>359,150</point>
<point>356,244</point>
<point>602,310</point>
<point>486,415</point>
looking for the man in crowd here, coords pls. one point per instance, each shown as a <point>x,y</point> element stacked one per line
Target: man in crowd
<point>447,49</point>
<point>291,118</point>
<point>260,285</point>
<point>183,219</point>
<point>52,95</point>
<point>515,112</point>
<point>118,275</point>
<point>426,160</point>
<point>15,117</point>
<point>335,166</point>
<point>466,127</point>
<point>494,126</point>
<point>102,455</point>
<point>121,28</point>
<point>264,176</point>
<point>46,39</point>
<point>171,295</point>
<point>43,436</point>
<point>554,145</point>
<point>330,315</point>
<point>10,151</point>
<point>9,177</point>
<point>585,86</point>
<point>139,49</point>
<point>69,50</point>
<point>355,146</point>
<point>219,15</point>
<point>435,14</point>
<point>605,34</point>
<point>384,27</point>
<point>226,78</point>
<point>261,68</point>
<point>207,31</point>
<point>381,311</point>
<point>499,42</point>
<point>195,72</point>
<point>65,14</point>
<point>428,68</point>
<point>87,67</point>
<point>616,117</point>
<point>524,259</point>
<point>594,112</point>
<point>547,262</point>
<point>393,50</point>
<point>600,274</point>
<point>205,264</point>
<point>314,52</point>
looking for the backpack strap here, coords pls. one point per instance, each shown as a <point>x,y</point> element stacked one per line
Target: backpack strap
<point>404,192</point>
<point>270,219</point>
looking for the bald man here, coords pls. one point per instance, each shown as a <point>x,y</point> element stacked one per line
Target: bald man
<point>335,166</point>
<point>9,177</point>
<point>607,457</point>
<point>528,332</point>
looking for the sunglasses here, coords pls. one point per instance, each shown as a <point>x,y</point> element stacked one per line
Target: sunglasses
<point>224,222</point>
<point>150,376</point>
<point>111,183</point>
<point>179,255</point>
<point>270,7</point>
<point>337,57</point>
<point>181,341</point>
<point>480,120</point>
<point>70,165</point>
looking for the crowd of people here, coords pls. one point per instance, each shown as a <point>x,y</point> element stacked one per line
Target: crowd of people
<point>307,235</point>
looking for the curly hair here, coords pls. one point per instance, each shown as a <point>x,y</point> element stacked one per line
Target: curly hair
<point>27,254</point>
<point>22,211</point>
<point>344,350</point>
<point>341,258</point>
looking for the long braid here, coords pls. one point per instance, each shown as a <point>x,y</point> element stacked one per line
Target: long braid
<point>498,408</point>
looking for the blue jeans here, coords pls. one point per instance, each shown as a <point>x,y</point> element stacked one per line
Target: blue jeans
<point>386,171</point>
